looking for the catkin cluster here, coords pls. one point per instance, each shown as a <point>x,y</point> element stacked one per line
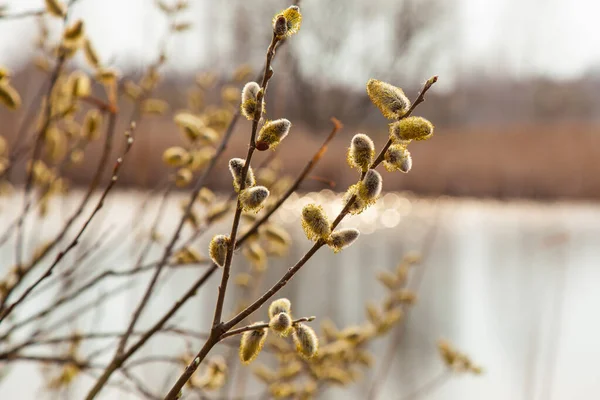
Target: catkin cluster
<point>343,353</point>
<point>282,324</point>
<point>456,360</point>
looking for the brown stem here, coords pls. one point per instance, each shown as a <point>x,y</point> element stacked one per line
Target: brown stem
<point>238,211</point>
<point>420,98</point>
<point>37,149</point>
<point>337,126</point>
<point>118,361</point>
<point>103,379</point>
<point>224,327</point>
<point>24,14</point>
<point>102,163</point>
<point>243,329</point>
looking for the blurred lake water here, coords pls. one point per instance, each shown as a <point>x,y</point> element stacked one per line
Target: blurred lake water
<point>512,284</point>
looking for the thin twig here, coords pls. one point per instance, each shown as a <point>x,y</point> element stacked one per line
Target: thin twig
<point>238,211</point>
<point>199,184</point>
<point>243,329</point>
<point>129,142</point>
<point>292,271</point>
<point>119,360</point>
<point>337,126</point>
<point>23,14</point>
<point>102,164</point>
<point>226,326</point>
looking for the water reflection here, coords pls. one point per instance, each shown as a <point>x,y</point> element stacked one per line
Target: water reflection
<point>512,284</point>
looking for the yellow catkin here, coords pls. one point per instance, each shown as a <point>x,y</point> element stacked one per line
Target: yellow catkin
<point>3,145</point>
<point>107,76</point>
<point>267,177</point>
<point>207,135</point>
<point>132,90</point>
<point>364,193</point>
<point>290,370</point>
<point>176,156</point>
<point>365,358</point>
<point>256,255</point>
<point>252,199</point>
<point>42,63</point>
<point>306,341</point>
<point>397,158</point>
<point>264,373</point>
<point>200,158</point>
<point>359,204</point>
<point>249,102</point>
<point>236,167</point>
<point>281,324</point>
<point>457,360</point>
<point>206,80</point>
<point>292,18</point>
<point>190,124</point>
<point>411,128</point>
<point>4,73</point>
<point>183,177</point>
<point>402,296</point>
<point>356,334</point>
<point>90,53</point>
<point>56,8</point>
<point>391,101</point>
<point>315,223</point>
<point>217,249</point>
<point>388,320</point>
<point>342,238</point>
<point>230,94</point>
<point>242,280</point>
<point>81,85</point>
<point>9,96</point>
<point>187,255</point>
<point>155,106</point>
<point>272,133</point>
<point>361,152</point>
<point>277,235</point>
<point>412,258</point>
<point>370,187</point>
<point>388,279</point>
<point>206,196</point>
<point>282,390</point>
<point>252,343</point>
<point>278,306</point>
<point>214,375</point>
<point>90,130</point>
<point>181,26</point>
<point>373,313</point>
<point>75,33</point>
<point>77,156</point>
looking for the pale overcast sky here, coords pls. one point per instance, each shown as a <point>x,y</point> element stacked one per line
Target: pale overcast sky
<point>560,38</point>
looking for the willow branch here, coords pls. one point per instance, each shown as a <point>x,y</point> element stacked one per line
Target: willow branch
<point>243,329</point>
<point>226,326</point>
<point>337,126</point>
<point>129,142</point>
<point>238,211</point>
